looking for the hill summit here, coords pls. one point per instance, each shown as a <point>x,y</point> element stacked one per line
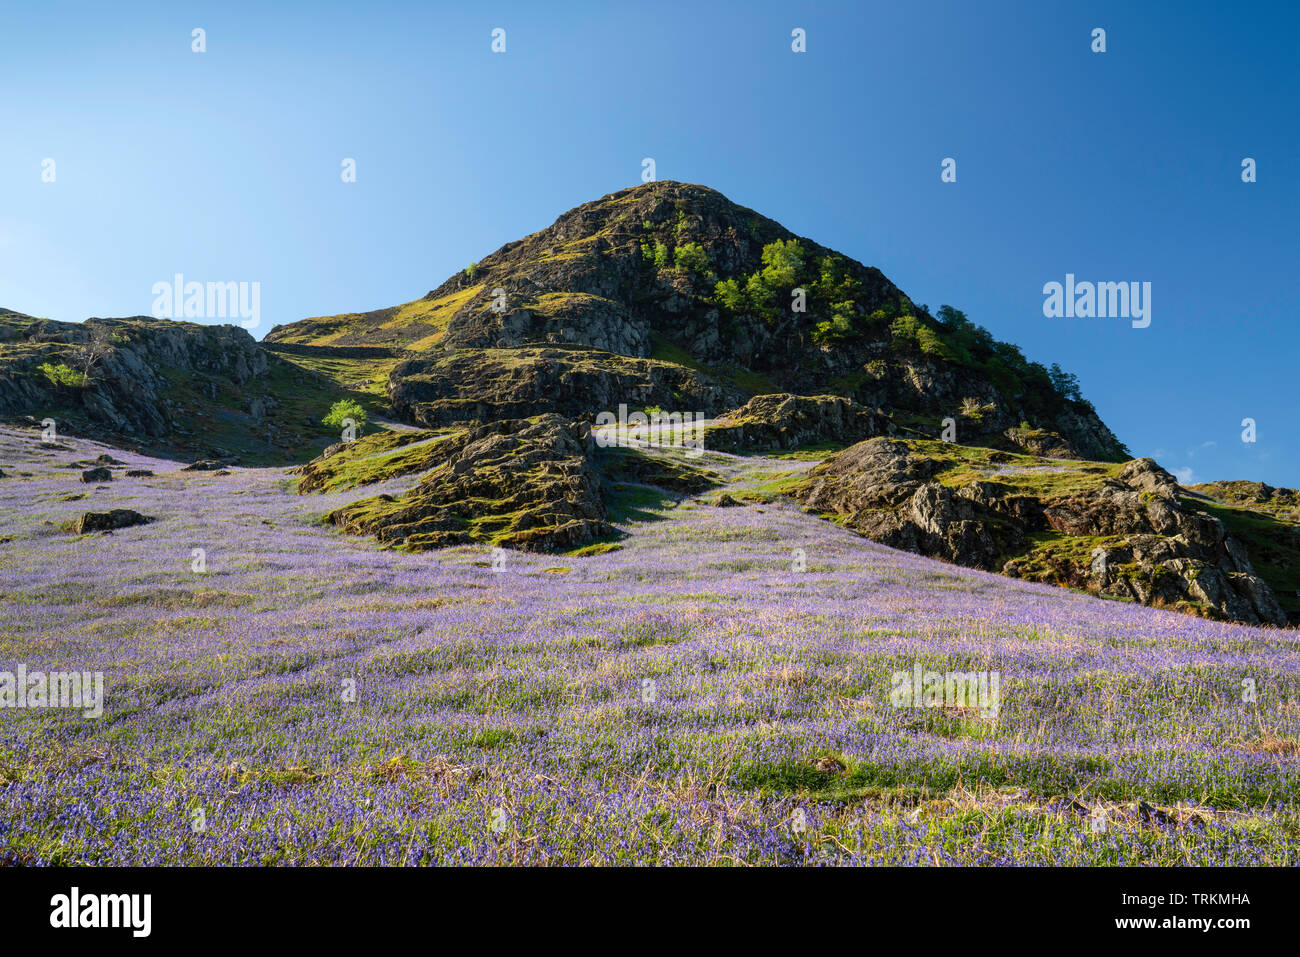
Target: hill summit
<point>675,295</point>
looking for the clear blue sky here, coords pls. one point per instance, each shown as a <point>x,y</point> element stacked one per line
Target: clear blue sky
<point>1122,166</point>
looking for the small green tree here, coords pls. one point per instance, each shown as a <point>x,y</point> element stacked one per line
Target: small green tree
<point>471,270</point>
<point>61,375</point>
<point>1065,383</point>
<point>836,329</point>
<point>953,318</point>
<point>692,257</point>
<point>904,331</point>
<point>760,296</point>
<point>345,409</point>
<point>782,263</point>
<point>730,296</point>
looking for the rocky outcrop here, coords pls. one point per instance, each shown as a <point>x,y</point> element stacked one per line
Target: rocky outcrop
<point>571,318</point>
<point>1254,495</point>
<point>1085,435</point>
<point>154,384</point>
<point>890,495</point>
<point>98,474</point>
<point>473,385</point>
<point>1267,521</point>
<point>1129,535</point>
<point>109,521</point>
<point>783,422</point>
<point>668,472</point>
<point>377,457</point>
<point>1040,442</point>
<point>527,484</point>
<point>127,381</point>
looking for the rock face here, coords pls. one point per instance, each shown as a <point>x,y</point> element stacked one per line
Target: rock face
<point>1267,521</point>
<point>99,474</point>
<point>1255,495</point>
<point>783,421</point>
<point>109,521</point>
<point>680,274</point>
<point>526,484</point>
<point>891,497</point>
<point>128,382</point>
<point>1040,442</point>
<point>164,386</point>
<point>1127,535</point>
<point>477,385</point>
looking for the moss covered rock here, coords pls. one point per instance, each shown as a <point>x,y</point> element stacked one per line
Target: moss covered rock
<point>1122,531</point>
<point>522,483</point>
<point>784,422</point>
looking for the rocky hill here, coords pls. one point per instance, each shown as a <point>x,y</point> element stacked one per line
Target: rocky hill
<point>164,387</point>
<point>663,295</point>
<point>670,295</point>
<point>931,435</point>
